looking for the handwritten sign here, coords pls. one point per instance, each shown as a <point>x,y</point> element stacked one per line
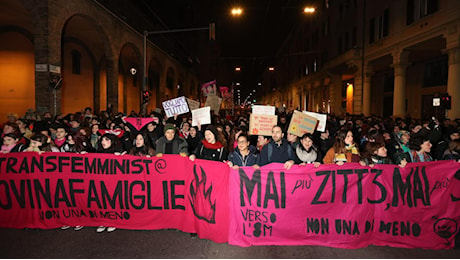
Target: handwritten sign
<point>262,124</point>
<point>192,104</point>
<point>175,106</point>
<point>301,124</point>
<point>263,110</point>
<point>322,118</point>
<point>214,102</point>
<point>202,115</point>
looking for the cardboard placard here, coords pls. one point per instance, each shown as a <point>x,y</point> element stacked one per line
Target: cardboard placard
<point>302,123</point>
<point>192,104</point>
<point>263,110</point>
<point>175,106</point>
<point>214,102</point>
<point>202,115</point>
<point>322,118</point>
<point>262,124</point>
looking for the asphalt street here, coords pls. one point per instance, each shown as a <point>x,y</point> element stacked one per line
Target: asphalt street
<point>86,243</point>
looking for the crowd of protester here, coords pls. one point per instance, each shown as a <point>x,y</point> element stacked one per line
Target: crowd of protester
<point>353,138</point>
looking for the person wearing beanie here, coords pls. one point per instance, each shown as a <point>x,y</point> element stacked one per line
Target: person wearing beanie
<point>171,143</point>
<point>210,148</point>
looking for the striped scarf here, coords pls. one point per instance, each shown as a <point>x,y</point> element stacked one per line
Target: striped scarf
<point>416,157</point>
<point>348,149</point>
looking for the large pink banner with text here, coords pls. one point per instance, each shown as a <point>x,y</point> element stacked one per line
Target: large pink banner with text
<point>56,189</point>
<point>347,206</point>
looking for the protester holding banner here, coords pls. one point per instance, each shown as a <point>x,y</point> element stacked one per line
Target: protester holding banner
<point>420,148</point>
<point>307,152</point>
<point>142,146</point>
<point>109,144</point>
<point>11,144</point>
<point>210,147</point>
<point>344,149</point>
<point>77,143</point>
<point>38,143</point>
<point>170,143</point>
<point>374,153</point>
<point>154,132</point>
<point>277,150</point>
<point>243,154</point>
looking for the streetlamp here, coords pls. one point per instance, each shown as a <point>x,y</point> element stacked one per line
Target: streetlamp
<point>309,10</point>
<point>237,11</point>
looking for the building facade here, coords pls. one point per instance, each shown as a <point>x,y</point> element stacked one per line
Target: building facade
<point>63,56</point>
<point>388,58</point>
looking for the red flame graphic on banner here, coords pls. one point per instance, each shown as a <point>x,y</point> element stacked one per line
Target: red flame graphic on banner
<point>200,198</point>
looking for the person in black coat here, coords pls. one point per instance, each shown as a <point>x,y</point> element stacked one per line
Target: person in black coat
<point>277,150</point>
<point>210,148</point>
<point>194,139</point>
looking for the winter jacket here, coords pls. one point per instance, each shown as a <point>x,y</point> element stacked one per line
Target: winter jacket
<point>179,145</point>
<point>202,152</point>
<point>249,160</point>
<point>273,152</point>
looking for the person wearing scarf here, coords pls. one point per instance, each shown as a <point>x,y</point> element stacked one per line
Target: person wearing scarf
<point>210,148</point>
<point>420,147</point>
<point>307,152</point>
<point>11,144</point>
<point>374,153</point>
<point>344,149</point>
<point>184,130</point>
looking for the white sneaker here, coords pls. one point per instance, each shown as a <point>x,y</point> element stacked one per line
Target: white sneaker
<point>76,228</point>
<point>100,229</point>
<point>111,229</point>
<point>65,227</point>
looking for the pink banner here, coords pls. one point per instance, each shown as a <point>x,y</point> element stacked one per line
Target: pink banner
<point>347,207</point>
<point>139,122</point>
<point>129,192</point>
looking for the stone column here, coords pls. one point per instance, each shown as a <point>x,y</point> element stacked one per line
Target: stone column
<point>453,82</point>
<point>357,93</point>
<point>400,64</point>
<point>112,85</point>
<point>335,94</point>
<point>47,45</point>
<point>367,90</point>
